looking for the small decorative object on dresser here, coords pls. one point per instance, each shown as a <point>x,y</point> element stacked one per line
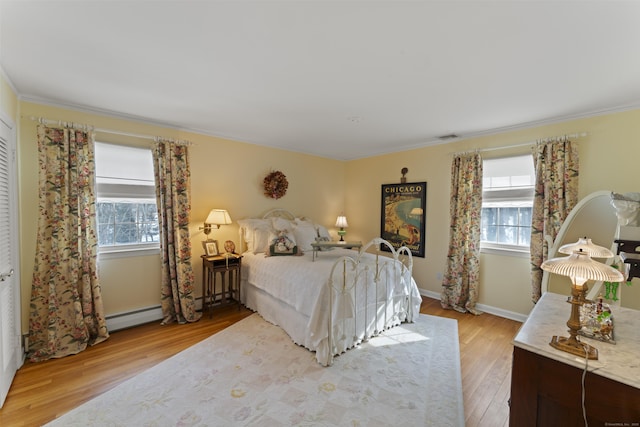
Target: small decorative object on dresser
<point>230,247</point>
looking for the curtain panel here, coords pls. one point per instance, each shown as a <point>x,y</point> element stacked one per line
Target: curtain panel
<point>66,300</point>
<point>173,188</point>
<point>556,193</point>
<point>460,284</point>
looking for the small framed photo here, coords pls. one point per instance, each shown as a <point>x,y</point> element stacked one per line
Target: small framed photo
<point>210,247</point>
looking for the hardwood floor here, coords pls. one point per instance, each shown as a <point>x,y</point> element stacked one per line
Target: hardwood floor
<point>43,391</point>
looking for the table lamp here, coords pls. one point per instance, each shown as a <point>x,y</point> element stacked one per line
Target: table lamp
<point>342,223</point>
<point>584,244</point>
<point>579,267</point>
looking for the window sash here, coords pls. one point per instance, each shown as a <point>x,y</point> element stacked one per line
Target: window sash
<point>127,223</point>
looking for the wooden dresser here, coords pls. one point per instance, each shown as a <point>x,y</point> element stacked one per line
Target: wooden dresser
<point>546,384</point>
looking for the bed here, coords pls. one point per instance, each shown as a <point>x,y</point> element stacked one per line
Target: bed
<point>329,304</point>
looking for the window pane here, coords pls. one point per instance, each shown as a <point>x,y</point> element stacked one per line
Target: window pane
<point>489,234</point>
<point>525,236</point>
<point>148,232</point>
<point>507,235</point>
<point>508,216</point>
<point>525,216</point>
<point>105,212</point>
<point>105,234</point>
<point>127,222</point>
<point>147,212</point>
<point>126,233</point>
<point>125,212</point>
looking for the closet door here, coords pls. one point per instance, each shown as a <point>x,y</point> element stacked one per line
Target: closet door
<point>10,349</point>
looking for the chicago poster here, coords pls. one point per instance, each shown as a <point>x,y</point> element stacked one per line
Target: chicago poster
<point>403,216</point>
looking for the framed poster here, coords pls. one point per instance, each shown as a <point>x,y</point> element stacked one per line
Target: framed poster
<point>402,222</point>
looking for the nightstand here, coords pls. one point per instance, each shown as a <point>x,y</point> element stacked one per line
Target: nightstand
<point>229,267</point>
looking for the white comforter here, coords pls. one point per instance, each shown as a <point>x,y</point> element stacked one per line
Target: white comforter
<point>302,284</point>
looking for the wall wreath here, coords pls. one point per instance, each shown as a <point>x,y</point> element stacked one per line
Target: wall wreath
<point>275,185</point>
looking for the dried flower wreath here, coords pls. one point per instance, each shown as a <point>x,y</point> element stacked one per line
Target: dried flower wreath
<point>275,185</point>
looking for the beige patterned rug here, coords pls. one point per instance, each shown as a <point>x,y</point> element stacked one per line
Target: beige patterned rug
<point>251,374</point>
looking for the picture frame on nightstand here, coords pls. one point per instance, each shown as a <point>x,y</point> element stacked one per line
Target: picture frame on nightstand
<point>210,247</point>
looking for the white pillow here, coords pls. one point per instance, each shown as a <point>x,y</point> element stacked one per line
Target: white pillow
<point>305,234</point>
<point>281,224</point>
<point>255,233</point>
<point>322,231</point>
<point>261,240</point>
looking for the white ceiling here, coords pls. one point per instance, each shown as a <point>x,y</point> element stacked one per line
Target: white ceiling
<point>339,79</point>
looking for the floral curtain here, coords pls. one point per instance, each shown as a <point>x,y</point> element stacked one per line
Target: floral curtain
<point>173,187</point>
<point>556,193</point>
<point>66,300</point>
<point>460,284</point>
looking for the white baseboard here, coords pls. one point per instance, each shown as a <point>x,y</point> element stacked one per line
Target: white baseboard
<point>518,317</point>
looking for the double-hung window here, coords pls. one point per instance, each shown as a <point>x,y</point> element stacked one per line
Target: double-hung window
<point>126,207</point>
<point>507,203</point>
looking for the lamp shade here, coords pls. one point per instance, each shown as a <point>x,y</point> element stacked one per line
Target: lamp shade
<point>580,265</point>
<point>585,245</point>
<point>342,222</point>
<point>218,217</point>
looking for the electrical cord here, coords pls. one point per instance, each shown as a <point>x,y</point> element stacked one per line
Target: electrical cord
<point>584,390</point>
<point>584,375</point>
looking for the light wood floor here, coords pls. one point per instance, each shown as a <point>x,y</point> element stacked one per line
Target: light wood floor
<point>43,391</point>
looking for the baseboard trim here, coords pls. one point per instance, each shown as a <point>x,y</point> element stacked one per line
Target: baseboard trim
<point>518,317</point>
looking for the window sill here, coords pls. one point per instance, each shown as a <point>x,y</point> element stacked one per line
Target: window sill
<point>513,251</point>
<point>118,252</point>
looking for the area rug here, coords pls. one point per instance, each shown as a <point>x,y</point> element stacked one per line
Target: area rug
<point>251,374</point>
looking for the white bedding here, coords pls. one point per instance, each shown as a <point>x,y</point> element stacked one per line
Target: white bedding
<point>292,292</point>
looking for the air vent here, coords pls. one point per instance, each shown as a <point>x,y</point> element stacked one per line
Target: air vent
<point>447,137</point>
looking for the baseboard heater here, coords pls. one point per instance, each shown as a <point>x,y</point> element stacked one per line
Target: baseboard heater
<point>133,318</point>
<point>141,316</point>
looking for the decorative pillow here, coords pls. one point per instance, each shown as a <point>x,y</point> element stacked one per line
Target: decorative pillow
<point>282,243</point>
<point>305,234</point>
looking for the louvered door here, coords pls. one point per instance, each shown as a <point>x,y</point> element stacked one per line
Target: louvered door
<point>10,349</point>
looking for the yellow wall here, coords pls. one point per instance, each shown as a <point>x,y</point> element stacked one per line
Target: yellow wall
<point>224,174</point>
<point>608,161</point>
<point>8,99</point>
<point>228,174</point>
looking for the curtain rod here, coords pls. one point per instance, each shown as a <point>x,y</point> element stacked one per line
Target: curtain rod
<point>524,144</point>
<point>109,131</point>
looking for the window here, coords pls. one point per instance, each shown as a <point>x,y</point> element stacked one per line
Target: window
<point>126,208</point>
<point>507,203</point>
